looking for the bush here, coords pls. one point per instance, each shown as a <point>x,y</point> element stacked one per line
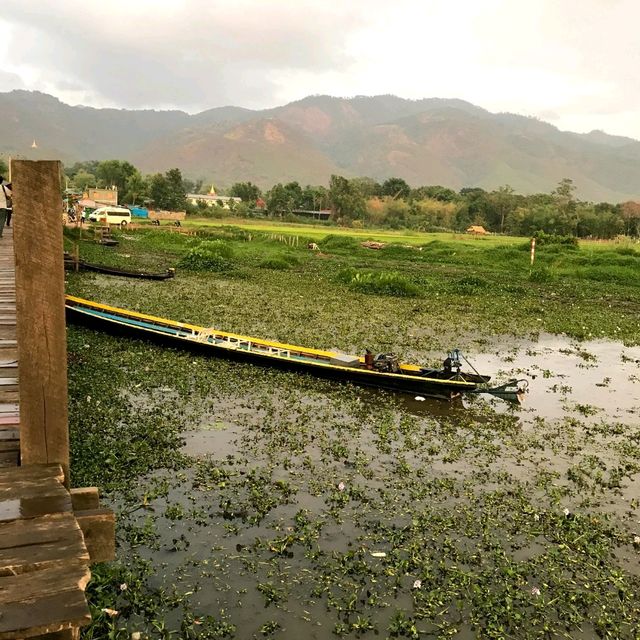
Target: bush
<point>388,283</point>
<point>470,285</point>
<point>543,239</point>
<point>541,274</point>
<point>333,242</point>
<point>210,255</point>
<point>279,262</point>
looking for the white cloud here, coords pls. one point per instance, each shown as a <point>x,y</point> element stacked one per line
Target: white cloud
<point>576,59</point>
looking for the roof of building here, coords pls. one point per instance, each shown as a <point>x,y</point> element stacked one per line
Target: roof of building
<point>208,196</point>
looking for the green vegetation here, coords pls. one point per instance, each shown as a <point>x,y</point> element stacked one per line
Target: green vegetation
<point>299,507</point>
<point>363,202</point>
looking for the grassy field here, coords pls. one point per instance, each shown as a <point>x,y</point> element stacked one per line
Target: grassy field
<point>255,503</point>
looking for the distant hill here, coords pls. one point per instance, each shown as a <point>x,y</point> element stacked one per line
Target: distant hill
<point>431,141</point>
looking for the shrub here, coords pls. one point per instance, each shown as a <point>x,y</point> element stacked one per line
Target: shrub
<point>279,262</point>
<point>541,274</point>
<point>388,283</point>
<point>333,242</point>
<point>210,255</point>
<point>469,285</point>
<point>543,239</point>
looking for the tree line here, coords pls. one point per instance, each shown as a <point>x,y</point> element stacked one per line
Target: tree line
<point>364,202</point>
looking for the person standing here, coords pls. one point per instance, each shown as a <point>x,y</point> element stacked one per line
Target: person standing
<point>5,202</point>
<point>9,204</point>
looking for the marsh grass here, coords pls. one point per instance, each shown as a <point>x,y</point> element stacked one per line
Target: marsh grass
<point>339,513</point>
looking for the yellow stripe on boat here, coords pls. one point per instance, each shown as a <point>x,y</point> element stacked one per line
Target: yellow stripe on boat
<point>302,350</point>
<point>194,327</point>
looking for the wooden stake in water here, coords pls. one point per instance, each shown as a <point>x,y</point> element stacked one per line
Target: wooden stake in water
<point>533,250</point>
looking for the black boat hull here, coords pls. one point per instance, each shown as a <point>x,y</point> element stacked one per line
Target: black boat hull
<point>406,384</point>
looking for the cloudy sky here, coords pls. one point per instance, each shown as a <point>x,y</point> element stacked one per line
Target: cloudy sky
<point>570,62</point>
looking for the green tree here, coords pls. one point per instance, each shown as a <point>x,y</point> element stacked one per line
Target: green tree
<point>114,173</point>
<point>4,169</point>
<point>435,192</point>
<point>567,220</point>
<point>503,203</point>
<point>368,187</point>
<point>395,188</point>
<point>246,191</point>
<point>158,191</point>
<point>347,202</point>
<point>176,194</point>
<point>279,200</point>
<point>82,180</point>
<point>315,198</point>
<point>135,187</point>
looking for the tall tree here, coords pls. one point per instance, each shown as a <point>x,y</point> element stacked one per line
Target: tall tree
<point>504,203</point>
<point>347,202</point>
<point>135,187</point>
<point>82,180</point>
<point>246,191</point>
<point>114,173</point>
<point>176,194</point>
<point>279,200</point>
<point>395,188</point>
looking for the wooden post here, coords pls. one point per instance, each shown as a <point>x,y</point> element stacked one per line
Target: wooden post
<point>41,330</point>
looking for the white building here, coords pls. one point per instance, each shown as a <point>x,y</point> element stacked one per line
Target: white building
<point>212,199</point>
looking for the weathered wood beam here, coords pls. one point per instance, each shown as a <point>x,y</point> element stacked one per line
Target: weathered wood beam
<point>85,498</point>
<point>41,331</point>
<point>99,530</point>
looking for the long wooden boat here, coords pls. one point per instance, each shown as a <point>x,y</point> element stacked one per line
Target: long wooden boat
<point>383,370</point>
<point>70,263</point>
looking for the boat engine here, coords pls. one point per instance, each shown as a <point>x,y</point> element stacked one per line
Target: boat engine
<point>386,362</point>
<point>452,363</point>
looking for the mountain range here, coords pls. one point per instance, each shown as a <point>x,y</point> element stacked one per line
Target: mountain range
<point>431,141</point>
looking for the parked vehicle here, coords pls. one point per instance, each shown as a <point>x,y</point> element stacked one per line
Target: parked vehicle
<point>111,215</point>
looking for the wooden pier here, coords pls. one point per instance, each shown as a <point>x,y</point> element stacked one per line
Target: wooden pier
<point>49,533</point>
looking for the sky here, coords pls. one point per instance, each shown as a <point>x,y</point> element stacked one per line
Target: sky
<point>569,62</point>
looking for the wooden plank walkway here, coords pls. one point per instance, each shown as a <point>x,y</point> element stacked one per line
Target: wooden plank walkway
<point>49,534</point>
<point>44,562</point>
<point>9,409</point>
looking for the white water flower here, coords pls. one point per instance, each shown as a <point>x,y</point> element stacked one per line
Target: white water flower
<point>417,584</point>
<point>342,486</point>
<point>536,517</point>
<point>420,398</point>
<point>636,540</point>
<point>136,635</point>
<point>535,591</point>
<point>112,613</point>
<point>123,586</point>
<point>566,512</point>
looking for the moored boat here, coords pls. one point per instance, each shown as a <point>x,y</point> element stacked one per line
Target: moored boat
<point>382,370</point>
<point>70,263</point>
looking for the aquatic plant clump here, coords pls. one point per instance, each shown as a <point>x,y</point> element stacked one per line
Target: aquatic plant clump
<point>209,255</point>
<point>389,283</point>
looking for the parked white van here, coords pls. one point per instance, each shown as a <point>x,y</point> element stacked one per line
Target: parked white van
<point>111,215</point>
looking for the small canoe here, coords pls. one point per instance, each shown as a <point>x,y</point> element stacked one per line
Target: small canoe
<point>382,371</point>
<point>70,263</point>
